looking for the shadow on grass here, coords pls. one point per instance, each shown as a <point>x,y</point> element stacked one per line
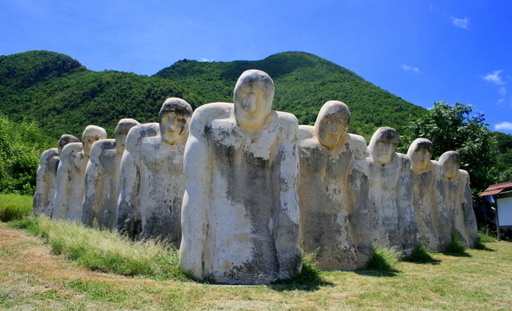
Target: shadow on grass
<point>421,255</point>
<point>309,279</point>
<point>377,273</point>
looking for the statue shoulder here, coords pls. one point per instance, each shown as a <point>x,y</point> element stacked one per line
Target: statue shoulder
<point>206,113</point>
<point>48,154</point>
<point>139,132</point>
<point>99,146</point>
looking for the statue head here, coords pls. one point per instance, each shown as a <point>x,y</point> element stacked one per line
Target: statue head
<point>174,117</point>
<point>383,145</point>
<point>64,140</point>
<point>450,164</point>
<point>420,153</point>
<point>253,96</point>
<point>91,134</point>
<point>332,123</point>
<point>121,131</point>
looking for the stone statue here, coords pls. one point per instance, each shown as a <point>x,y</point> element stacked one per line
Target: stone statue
<point>152,175</point>
<point>46,174</point>
<point>391,212</point>
<point>453,184</point>
<point>70,175</point>
<point>240,217</point>
<point>102,178</point>
<point>330,159</point>
<point>425,195</point>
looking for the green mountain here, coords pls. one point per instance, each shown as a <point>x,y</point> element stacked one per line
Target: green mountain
<point>63,96</point>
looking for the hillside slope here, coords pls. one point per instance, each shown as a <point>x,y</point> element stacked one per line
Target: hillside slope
<point>63,96</point>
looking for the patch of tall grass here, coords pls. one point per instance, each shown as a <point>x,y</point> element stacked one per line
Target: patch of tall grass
<point>383,260</point>
<point>106,251</point>
<point>456,246</point>
<point>14,206</point>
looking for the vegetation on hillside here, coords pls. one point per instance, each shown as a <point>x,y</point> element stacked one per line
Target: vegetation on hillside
<point>21,145</point>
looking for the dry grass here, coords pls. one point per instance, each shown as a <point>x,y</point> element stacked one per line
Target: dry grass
<point>32,278</point>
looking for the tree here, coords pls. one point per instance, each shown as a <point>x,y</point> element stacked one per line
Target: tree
<point>456,127</point>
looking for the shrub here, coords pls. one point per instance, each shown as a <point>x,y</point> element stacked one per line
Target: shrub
<point>383,259</point>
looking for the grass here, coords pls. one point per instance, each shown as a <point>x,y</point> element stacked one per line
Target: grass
<point>383,260</point>
<point>13,206</point>
<point>104,250</point>
<point>123,275</point>
<point>421,255</point>
<point>456,246</point>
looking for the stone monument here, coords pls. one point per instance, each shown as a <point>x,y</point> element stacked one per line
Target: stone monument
<point>332,165</point>
<point>425,195</point>
<point>453,184</point>
<point>102,178</point>
<point>46,175</point>
<point>69,195</point>
<point>152,175</point>
<point>391,212</point>
<point>241,217</point>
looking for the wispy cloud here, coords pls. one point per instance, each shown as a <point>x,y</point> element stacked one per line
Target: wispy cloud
<point>495,77</point>
<point>205,60</point>
<point>503,91</point>
<point>461,22</point>
<point>503,126</point>
<point>410,68</point>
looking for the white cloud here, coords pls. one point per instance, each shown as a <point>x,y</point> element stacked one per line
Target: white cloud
<point>494,77</point>
<point>410,68</point>
<point>503,91</point>
<point>205,60</point>
<point>461,22</point>
<point>503,126</point>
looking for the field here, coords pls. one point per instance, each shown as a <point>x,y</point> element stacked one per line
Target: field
<point>35,274</point>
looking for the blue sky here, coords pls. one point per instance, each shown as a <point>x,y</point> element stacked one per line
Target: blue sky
<point>422,51</point>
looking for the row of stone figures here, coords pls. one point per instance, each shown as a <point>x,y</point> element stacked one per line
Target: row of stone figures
<point>242,189</point>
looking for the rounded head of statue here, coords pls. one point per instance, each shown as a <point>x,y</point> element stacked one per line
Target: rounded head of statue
<point>420,153</point>
<point>383,145</point>
<point>122,129</point>
<point>174,117</point>
<point>64,140</point>
<point>450,164</point>
<point>332,123</point>
<point>253,96</point>
<point>91,134</point>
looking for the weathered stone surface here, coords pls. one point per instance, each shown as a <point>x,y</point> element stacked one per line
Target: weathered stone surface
<point>46,177</point>
<point>240,216</point>
<point>69,195</point>
<point>425,195</point>
<point>102,178</point>
<point>152,175</point>
<point>330,159</point>
<point>457,203</point>
<point>391,212</point>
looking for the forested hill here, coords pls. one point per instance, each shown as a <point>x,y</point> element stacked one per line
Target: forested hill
<point>63,96</point>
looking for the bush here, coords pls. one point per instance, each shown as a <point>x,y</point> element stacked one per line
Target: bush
<point>420,255</point>
<point>383,260</point>
<point>456,247</point>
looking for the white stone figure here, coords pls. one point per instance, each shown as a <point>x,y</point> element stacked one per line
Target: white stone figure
<point>102,178</point>
<point>152,175</point>
<point>70,175</point>
<point>453,184</point>
<point>329,160</point>
<point>391,212</point>
<point>241,217</point>
<point>425,195</point>
<point>46,175</point>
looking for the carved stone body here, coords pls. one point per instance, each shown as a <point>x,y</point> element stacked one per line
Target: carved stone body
<point>45,182</point>
<point>425,195</point>
<point>391,212</point>
<point>241,215</point>
<point>152,186</point>
<point>457,203</point>
<point>327,189</point>
<point>69,195</point>
<point>102,178</point>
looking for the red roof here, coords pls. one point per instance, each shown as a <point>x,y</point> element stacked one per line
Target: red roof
<point>496,189</point>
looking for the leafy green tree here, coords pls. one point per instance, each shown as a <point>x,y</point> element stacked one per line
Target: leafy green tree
<point>456,127</point>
